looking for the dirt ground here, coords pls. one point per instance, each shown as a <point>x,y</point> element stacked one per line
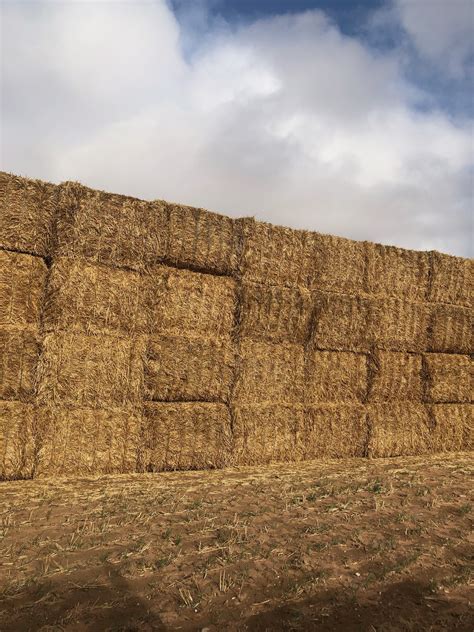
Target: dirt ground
<point>352,545</point>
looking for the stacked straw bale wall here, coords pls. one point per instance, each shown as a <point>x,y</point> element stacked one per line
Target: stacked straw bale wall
<point>148,336</point>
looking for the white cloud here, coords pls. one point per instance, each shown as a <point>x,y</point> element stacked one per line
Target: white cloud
<point>285,118</point>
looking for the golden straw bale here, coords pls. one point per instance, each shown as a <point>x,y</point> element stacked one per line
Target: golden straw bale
<point>341,322</point>
<point>184,301</point>
<point>398,429</point>
<point>275,314</point>
<point>22,283</point>
<point>93,298</point>
<point>84,441</point>
<point>188,368</point>
<point>270,373</point>
<point>451,329</point>
<point>202,240</point>
<point>452,280</point>
<point>16,440</point>
<point>19,353</point>
<point>449,377</point>
<point>186,436</point>
<point>335,376</point>
<point>81,370</point>
<point>453,427</point>
<point>398,325</point>
<point>111,229</point>
<point>267,433</point>
<point>397,272</point>
<point>27,214</point>
<point>338,264</point>
<point>334,431</point>
<point>395,377</point>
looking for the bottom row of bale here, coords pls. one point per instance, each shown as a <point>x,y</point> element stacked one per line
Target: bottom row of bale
<point>37,441</point>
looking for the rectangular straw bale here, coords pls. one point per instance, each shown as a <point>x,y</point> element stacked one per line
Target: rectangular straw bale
<point>452,427</point>
<point>449,377</point>
<point>111,229</point>
<point>452,280</point>
<point>398,325</point>
<point>398,429</point>
<point>267,433</point>
<point>395,376</point>
<point>334,431</point>
<point>202,240</point>
<point>338,264</point>
<point>16,440</point>
<point>84,441</point>
<point>187,436</point>
<point>335,376</point>
<point>188,368</point>
<point>182,301</point>
<point>341,322</point>
<point>19,353</point>
<point>451,329</point>
<point>80,370</point>
<point>270,373</point>
<point>27,213</point>
<point>397,272</point>
<point>22,283</point>
<point>275,314</point>
<point>92,298</point>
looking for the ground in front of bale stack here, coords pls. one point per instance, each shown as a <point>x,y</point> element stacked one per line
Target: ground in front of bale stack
<point>349,545</point>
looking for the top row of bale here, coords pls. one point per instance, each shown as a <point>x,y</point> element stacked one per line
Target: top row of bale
<point>74,221</point>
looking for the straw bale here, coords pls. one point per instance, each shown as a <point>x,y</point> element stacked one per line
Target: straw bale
<point>275,314</point>
<point>398,325</point>
<point>341,322</point>
<point>270,373</point>
<point>16,440</point>
<point>19,353</point>
<point>184,301</point>
<point>75,441</point>
<point>111,229</point>
<point>202,240</point>
<point>187,436</point>
<point>335,431</point>
<point>451,329</point>
<point>22,283</point>
<point>452,427</point>
<point>452,280</point>
<point>263,434</point>
<point>188,368</point>
<point>335,376</point>
<point>397,272</point>
<point>274,255</point>
<point>449,377</point>
<point>27,214</point>
<point>398,429</point>
<point>86,371</point>
<point>395,377</point>
<point>93,298</point>
<point>338,264</point>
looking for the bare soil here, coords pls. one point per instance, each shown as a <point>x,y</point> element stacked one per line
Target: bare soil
<point>353,545</point>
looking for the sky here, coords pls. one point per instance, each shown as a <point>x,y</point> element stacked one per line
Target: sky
<point>348,117</point>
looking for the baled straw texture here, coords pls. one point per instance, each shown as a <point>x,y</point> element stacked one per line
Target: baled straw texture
<point>111,229</point>
<point>267,433</point>
<point>334,431</point>
<point>398,429</point>
<point>92,298</point>
<point>275,314</point>
<point>338,264</point>
<point>452,280</point>
<point>79,370</point>
<point>27,214</point>
<point>22,283</point>
<point>335,376</point>
<point>186,436</point>
<point>188,368</point>
<point>395,377</point>
<point>451,329</point>
<point>397,272</point>
<point>86,441</point>
<point>19,353</point>
<point>397,325</point>
<point>16,440</point>
<point>449,377</point>
<point>341,322</point>
<point>270,373</point>
<point>452,427</point>
<point>202,240</point>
